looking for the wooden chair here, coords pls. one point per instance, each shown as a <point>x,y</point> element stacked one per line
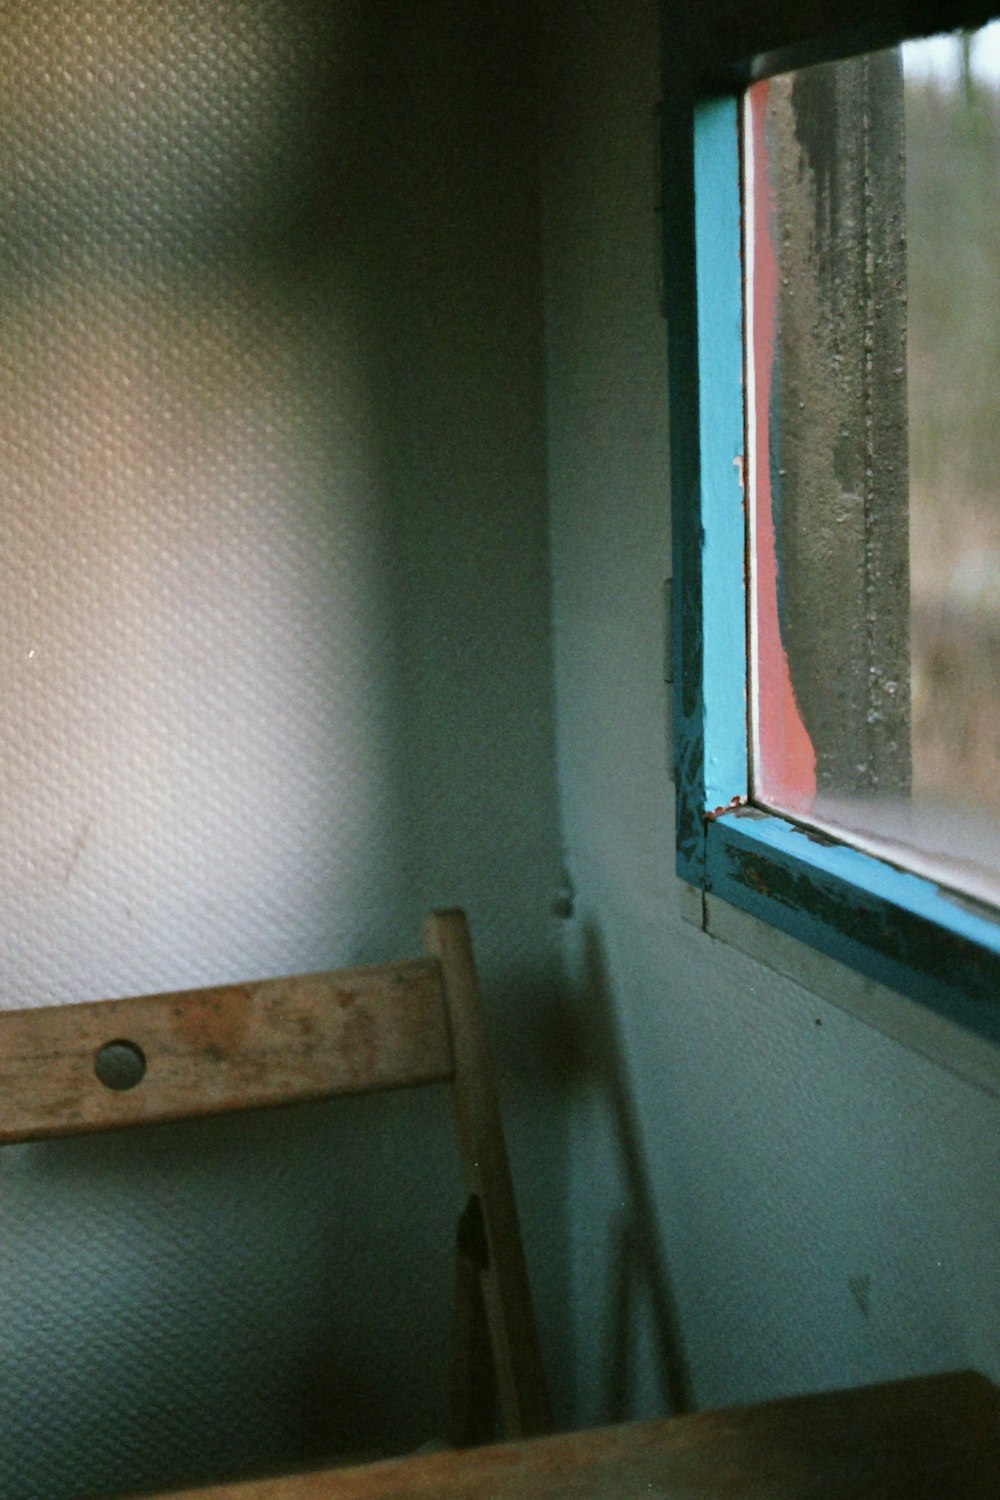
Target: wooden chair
<point>118,1063</point>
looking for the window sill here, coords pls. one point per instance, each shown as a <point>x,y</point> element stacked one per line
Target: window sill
<point>898,929</point>
<point>930,1034</point>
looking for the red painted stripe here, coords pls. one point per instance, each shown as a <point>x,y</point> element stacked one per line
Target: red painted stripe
<point>785,774</point>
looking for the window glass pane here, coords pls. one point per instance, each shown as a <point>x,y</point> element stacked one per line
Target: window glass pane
<point>872,214</point>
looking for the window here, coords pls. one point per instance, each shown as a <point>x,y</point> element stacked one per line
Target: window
<point>835,409</point>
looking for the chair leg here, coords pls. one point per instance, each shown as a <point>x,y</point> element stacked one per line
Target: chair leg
<point>522,1392</point>
<point>474,1392</point>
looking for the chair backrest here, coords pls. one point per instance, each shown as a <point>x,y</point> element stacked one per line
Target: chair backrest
<point>118,1063</point>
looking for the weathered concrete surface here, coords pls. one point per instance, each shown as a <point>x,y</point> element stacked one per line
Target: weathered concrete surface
<point>837,426</point>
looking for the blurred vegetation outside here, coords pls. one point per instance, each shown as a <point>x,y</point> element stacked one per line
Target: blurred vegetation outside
<point>953,274</point>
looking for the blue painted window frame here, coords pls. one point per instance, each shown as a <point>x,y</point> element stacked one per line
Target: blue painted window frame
<point>890,924</point>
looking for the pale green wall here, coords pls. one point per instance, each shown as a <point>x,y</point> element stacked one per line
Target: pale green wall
<point>767,1193</point>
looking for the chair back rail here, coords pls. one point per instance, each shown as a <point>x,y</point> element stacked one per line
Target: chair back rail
<point>208,1051</point>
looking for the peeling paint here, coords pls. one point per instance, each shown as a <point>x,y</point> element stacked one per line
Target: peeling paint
<point>816,837</point>
<point>730,806</point>
<point>747,810</point>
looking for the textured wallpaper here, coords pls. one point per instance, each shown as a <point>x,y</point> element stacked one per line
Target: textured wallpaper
<point>191,620</point>
<point>274,675</point>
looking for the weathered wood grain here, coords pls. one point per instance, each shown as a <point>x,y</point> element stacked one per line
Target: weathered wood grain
<point>918,1439</point>
<point>236,1046</point>
<point>522,1390</point>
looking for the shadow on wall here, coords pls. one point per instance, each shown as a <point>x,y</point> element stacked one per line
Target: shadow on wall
<point>640,1304</point>
<point>235,1295</point>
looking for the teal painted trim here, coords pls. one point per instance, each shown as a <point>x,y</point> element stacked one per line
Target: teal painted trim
<point>720,435</point>
<point>900,929</point>
<point>685,484</point>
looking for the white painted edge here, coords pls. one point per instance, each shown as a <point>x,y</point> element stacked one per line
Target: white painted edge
<point>943,1042</point>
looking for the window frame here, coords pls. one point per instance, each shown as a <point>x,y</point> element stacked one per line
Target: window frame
<point>897,927</point>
